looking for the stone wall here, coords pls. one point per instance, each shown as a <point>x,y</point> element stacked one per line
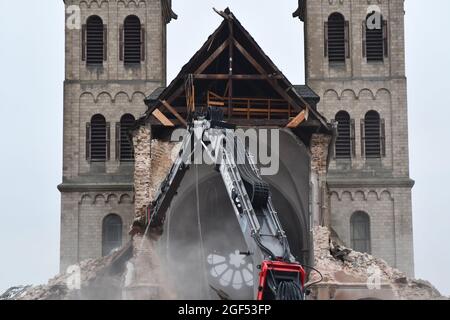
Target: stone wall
<point>379,187</point>
<point>82,222</point>
<point>91,191</point>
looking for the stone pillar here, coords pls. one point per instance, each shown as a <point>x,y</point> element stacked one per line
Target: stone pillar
<point>319,191</point>
<point>144,278</point>
<point>142,168</point>
<point>153,160</point>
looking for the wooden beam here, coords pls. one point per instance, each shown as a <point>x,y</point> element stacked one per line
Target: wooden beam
<point>249,57</point>
<point>261,70</point>
<point>302,116</point>
<point>202,68</point>
<point>174,112</point>
<point>212,57</point>
<point>162,118</point>
<point>307,105</point>
<point>175,95</point>
<point>275,123</point>
<point>235,77</point>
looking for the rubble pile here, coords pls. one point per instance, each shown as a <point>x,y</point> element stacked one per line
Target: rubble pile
<point>132,273</point>
<point>93,274</point>
<point>14,292</point>
<point>340,264</point>
<point>145,278</point>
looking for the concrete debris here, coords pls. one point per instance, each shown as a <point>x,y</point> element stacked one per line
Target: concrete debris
<point>341,265</point>
<point>58,289</point>
<point>135,272</point>
<point>98,279</point>
<point>14,292</point>
<point>146,279</point>
<point>132,273</point>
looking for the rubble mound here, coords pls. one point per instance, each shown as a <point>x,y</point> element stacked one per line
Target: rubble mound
<point>93,275</point>
<point>130,273</point>
<point>339,264</point>
<point>109,277</point>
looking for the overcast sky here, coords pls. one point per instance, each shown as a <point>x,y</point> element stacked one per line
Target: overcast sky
<point>31,96</point>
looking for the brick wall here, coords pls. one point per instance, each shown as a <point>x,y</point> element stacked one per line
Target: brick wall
<point>153,161</point>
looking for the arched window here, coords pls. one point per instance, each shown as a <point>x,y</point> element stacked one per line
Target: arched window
<point>111,233</point>
<point>344,139</point>
<point>94,41</point>
<point>375,42</point>
<point>133,44</point>
<point>360,232</point>
<point>124,146</point>
<point>373,129</point>
<point>337,38</point>
<point>97,139</point>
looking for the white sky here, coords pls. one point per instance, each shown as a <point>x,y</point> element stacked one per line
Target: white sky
<point>31,105</point>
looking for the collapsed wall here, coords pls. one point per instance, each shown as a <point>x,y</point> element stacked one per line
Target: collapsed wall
<point>135,271</point>
<point>91,279</point>
<point>153,160</point>
<point>348,274</point>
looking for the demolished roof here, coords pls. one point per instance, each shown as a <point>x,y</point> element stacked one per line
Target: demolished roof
<point>303,90</point>
<point>232,54</point>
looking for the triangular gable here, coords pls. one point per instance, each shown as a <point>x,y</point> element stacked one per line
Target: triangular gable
<point>231,58</point>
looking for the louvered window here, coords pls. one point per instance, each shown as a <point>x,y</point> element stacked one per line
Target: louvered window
<point>337,38</point>
<point>360,232</point>
<point>373,129</point>
<point>345,135</point>
<point>94,38</point>
<point>111,234</point>
<point>132,42</point>
<point>97,139</point>
<point>124,146</point>
<point>375,40</point>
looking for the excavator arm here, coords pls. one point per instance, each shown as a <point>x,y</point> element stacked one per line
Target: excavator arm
<point>280,276</point>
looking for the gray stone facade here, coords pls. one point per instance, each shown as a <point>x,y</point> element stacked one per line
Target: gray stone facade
<point>91,191</point>
<point>379,187</point>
